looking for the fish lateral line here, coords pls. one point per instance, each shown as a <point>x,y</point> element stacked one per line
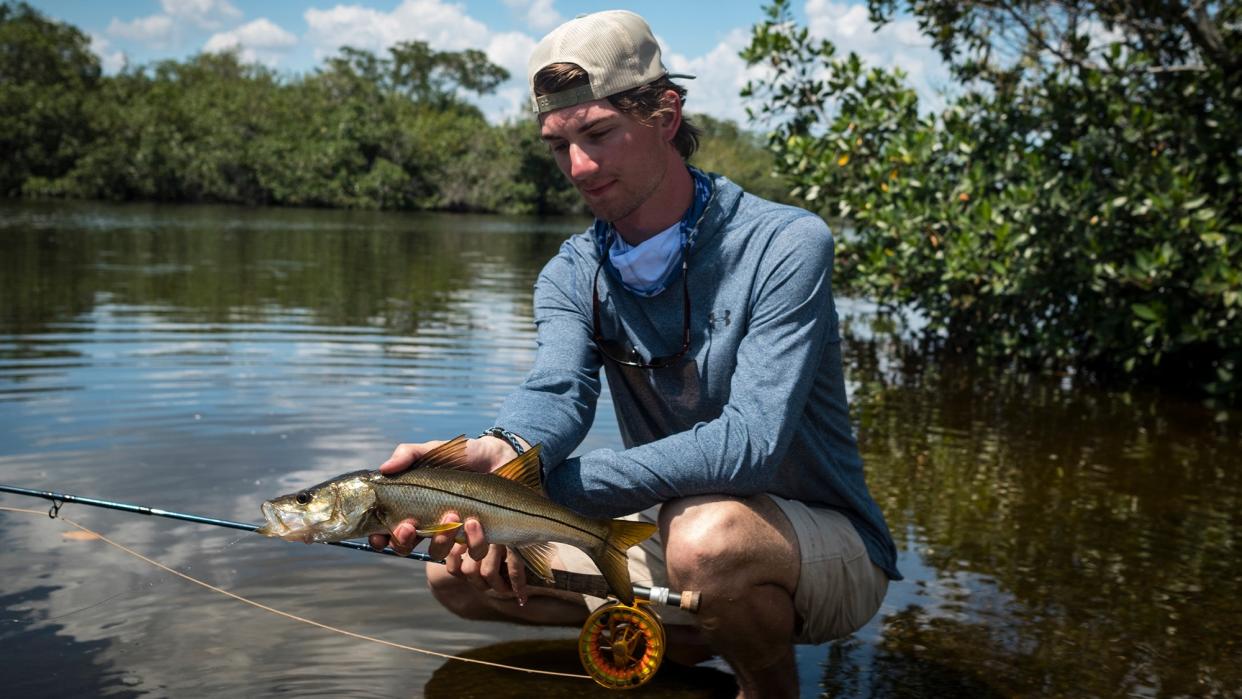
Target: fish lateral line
<point>505,507</point>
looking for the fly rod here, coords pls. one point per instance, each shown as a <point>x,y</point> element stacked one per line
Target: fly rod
<point>583,583</point>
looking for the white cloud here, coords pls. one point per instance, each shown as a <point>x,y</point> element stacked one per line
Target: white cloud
<point>165,31</point>
<point>442,25</point>
<point>539,15</point>
<point>898,44</point>
<point>509,102</point>
<point>260,40</point>
<point>111,61</point>
<point>510,51</point>
<point>719,77</point>
<point>721,73</point>
<point>155,31</point>
<point>359,27</point>
<point>208,14</point>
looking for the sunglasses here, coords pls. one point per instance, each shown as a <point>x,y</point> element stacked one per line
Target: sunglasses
<point>656,362</point>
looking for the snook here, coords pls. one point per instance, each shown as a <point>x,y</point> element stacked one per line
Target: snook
<point>509,503</point>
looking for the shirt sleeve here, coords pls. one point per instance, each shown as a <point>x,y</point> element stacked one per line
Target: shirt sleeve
<point>791,319</point>
<point>555,405</point>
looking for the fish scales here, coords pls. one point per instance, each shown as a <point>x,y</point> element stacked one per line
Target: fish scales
<point>510,513</point>
<point>508,503</point>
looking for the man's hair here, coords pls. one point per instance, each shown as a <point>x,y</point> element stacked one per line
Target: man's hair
<point>644,103</point>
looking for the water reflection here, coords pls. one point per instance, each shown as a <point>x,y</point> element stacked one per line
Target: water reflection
<point>1057,539</point>
<point>29,638</point>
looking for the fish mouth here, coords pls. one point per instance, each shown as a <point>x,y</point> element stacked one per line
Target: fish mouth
<point>283,524</point>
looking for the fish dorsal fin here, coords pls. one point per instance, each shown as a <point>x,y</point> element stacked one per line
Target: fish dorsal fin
<point>524,470</point>
<point>450,455</point>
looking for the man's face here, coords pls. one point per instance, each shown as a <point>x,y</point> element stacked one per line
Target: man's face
<point>614,160</point>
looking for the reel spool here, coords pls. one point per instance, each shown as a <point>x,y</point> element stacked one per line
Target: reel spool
<point>621,646</point>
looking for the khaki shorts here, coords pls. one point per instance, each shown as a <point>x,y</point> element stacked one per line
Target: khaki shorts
<point>839,588</point>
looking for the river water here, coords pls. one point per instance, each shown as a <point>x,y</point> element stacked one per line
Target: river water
<point>1057,539</point>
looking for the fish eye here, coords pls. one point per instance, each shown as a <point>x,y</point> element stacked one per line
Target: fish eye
<point>303,497</point>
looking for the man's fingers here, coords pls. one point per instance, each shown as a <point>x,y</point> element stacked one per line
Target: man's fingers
<point>402,457</point>
<point>404,537</point>
<point>378,541</point>
<point>517,577</point>
<point>485,566</point>
<point>405,455</point>
<point>453,561</point>
<point>490,569</point>
<point>470,570</point>
<point>475,539</point>
<point>441,544</point>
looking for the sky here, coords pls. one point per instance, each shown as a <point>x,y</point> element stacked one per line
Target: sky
<point>700,38</point>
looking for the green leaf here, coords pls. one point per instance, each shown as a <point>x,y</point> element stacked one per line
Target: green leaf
<point>1144,312</point>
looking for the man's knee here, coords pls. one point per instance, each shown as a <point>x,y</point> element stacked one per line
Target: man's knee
<point>714,540</point>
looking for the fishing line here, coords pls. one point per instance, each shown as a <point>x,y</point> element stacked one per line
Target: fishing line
<point>287,615</point>
<point>89,606</point>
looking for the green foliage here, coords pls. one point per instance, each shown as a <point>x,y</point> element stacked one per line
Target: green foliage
<point>215,129</point>
<point>1075,205</point>
<point>47,72</point>
<point>726,148</point>
<point>364,131</point>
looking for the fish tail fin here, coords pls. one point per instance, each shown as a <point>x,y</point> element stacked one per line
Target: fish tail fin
<point>611,559</point>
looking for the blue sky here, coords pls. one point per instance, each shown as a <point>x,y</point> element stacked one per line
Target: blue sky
<point>700,38</point>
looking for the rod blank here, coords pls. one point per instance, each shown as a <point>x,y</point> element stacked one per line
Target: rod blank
<point>583,583</point>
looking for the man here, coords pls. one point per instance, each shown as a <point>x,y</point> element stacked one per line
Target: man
<point>711,311</point>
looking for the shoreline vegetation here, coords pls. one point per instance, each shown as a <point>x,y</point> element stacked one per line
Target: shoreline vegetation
<point>1075,207</point>
<point>362,131</point>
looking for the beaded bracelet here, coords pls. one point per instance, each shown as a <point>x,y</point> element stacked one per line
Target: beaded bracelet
<point>509,437</point>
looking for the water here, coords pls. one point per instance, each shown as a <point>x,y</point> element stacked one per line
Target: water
<point>1058,540</point>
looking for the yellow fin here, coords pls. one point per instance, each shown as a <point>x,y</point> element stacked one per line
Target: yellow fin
<point>538,558</point>
<point>433,529</point>
<point>524,470</point>
<point>610,556</point>
<point>450,455</point>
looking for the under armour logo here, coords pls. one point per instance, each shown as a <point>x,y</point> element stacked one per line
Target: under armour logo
<point>712,319</point>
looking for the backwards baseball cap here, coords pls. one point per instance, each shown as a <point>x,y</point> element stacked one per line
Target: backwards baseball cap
<point>616,48</point>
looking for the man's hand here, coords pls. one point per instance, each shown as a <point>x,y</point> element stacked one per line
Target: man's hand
<point>475,561</point>
<point>487,572</point>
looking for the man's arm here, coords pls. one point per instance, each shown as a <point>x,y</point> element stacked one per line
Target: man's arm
<point>555,405</point>
<point>737,453</point>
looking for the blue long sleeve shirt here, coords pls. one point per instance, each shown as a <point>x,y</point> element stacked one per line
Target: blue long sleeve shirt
<point>758,403</point>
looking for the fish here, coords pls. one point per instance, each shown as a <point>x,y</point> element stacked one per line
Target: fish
<point>509,503</point>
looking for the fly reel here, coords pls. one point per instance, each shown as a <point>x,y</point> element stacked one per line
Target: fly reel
<point>621,646</point>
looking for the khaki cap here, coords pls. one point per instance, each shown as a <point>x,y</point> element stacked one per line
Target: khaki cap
<point>616,48</point>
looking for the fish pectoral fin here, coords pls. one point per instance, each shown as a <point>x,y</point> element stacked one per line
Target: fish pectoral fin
<point>538,558</point>
<point>434,529</point>
<point>524,470</point>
